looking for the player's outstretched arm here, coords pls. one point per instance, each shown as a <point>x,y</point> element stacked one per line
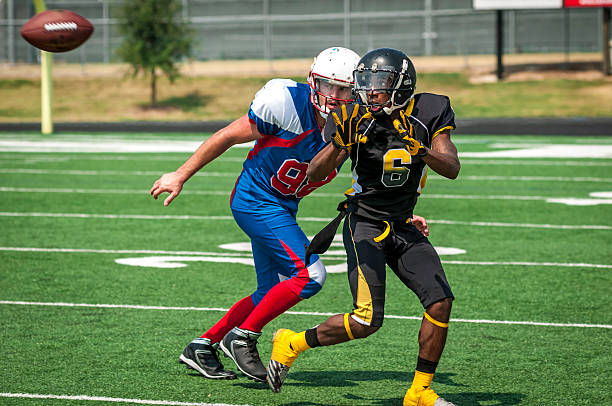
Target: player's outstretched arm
<point>324,162</point>
<point>442,157</point>
<point>238,132</point>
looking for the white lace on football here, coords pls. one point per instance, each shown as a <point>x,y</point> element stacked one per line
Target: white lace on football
<point>71,26</point>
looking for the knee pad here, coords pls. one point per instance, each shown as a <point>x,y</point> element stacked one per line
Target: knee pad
<point>316,279</point>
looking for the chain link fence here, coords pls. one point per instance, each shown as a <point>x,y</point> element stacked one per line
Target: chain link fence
<point>279,29</point>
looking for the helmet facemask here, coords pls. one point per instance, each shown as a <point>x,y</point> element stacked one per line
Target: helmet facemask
<point>371,81</point>
<point>327,93</point>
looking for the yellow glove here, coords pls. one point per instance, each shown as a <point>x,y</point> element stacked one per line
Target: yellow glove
<point>405,130</point>
<point>347,127</point>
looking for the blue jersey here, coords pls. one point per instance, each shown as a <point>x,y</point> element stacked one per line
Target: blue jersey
<point>274,173</point>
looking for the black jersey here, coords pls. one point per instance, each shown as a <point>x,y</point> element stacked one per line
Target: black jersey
<point>387,180</point>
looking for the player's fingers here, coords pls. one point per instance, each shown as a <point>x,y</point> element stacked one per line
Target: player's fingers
<point>158,191</point>
<point>336,119</point>
<point>154,188</point>
<point>398,126</point>
<point>403,117</point>
<point>344,113</point>
<point>426,231</point>
<point>355,111</point>
<point>170,198</point>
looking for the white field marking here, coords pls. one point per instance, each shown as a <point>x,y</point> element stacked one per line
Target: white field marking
<point>300,219</point>
<point>112,191</point>
<point>580,202</point>
<point>596,199</point>
<point>531,178</point>
<point>65,158</point>
<point>544,151</point>
<point>235,174</point>
<point>177,261</point>
<point>77,157</point>
<point>107,172</point>
<point>209,309</point>
<point>103,144</point>
<point>515,162</point>
<point>519,263</point>
<point>227,193</point>
<point>106,251</point>
<point>107,399</point>
<point>120,216</point>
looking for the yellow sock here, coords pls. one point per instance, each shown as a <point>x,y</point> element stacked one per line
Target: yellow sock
<point>422,380</point>
<point>298,342</point>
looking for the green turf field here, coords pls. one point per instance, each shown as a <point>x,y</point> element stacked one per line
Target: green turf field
<point>101,287</point>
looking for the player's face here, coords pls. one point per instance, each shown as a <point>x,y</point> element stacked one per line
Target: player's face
<point>378,99</point>
<point>333,95</point>
<point>375,86</point>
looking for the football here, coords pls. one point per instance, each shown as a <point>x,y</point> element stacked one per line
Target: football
<point>57,30</point>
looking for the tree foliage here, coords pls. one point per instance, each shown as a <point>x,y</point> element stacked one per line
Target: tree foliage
<point>155,38</point>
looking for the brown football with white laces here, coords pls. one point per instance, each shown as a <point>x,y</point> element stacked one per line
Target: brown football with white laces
<point>57,30</point>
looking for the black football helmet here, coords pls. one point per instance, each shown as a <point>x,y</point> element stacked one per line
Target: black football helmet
<point>385,70</point>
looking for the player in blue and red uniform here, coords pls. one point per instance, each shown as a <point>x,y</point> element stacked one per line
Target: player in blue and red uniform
<point>285,121</point>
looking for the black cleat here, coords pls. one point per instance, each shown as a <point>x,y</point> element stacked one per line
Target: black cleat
<point>241,346</point>
<point>201,355</point>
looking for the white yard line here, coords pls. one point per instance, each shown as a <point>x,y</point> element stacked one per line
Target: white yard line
<point>214,309</point>
<point>106,251</point>
<point>76,172</point>
<point>179,158</point>
<point>531,162</point>
<point>227,193</point>
<point>313,219</point>
<point>108,399</point>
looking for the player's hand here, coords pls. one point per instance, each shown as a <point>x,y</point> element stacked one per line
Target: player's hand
<point>406,130</point>
<point>421,224</point>
<point>169,183</point>
<point>347,127</point>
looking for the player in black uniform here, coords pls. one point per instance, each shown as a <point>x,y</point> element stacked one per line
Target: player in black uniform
<point>392,139</point>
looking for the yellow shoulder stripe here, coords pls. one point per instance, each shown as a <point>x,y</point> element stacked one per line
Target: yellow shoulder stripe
<point>448,127</point>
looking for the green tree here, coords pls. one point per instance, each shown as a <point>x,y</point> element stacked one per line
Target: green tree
<point>155,39</point>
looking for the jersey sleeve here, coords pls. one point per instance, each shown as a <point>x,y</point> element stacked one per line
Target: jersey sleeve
<point>438,113</point>
<point>273,110</point>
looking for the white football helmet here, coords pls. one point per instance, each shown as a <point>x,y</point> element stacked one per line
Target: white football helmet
<point>331,76</point>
